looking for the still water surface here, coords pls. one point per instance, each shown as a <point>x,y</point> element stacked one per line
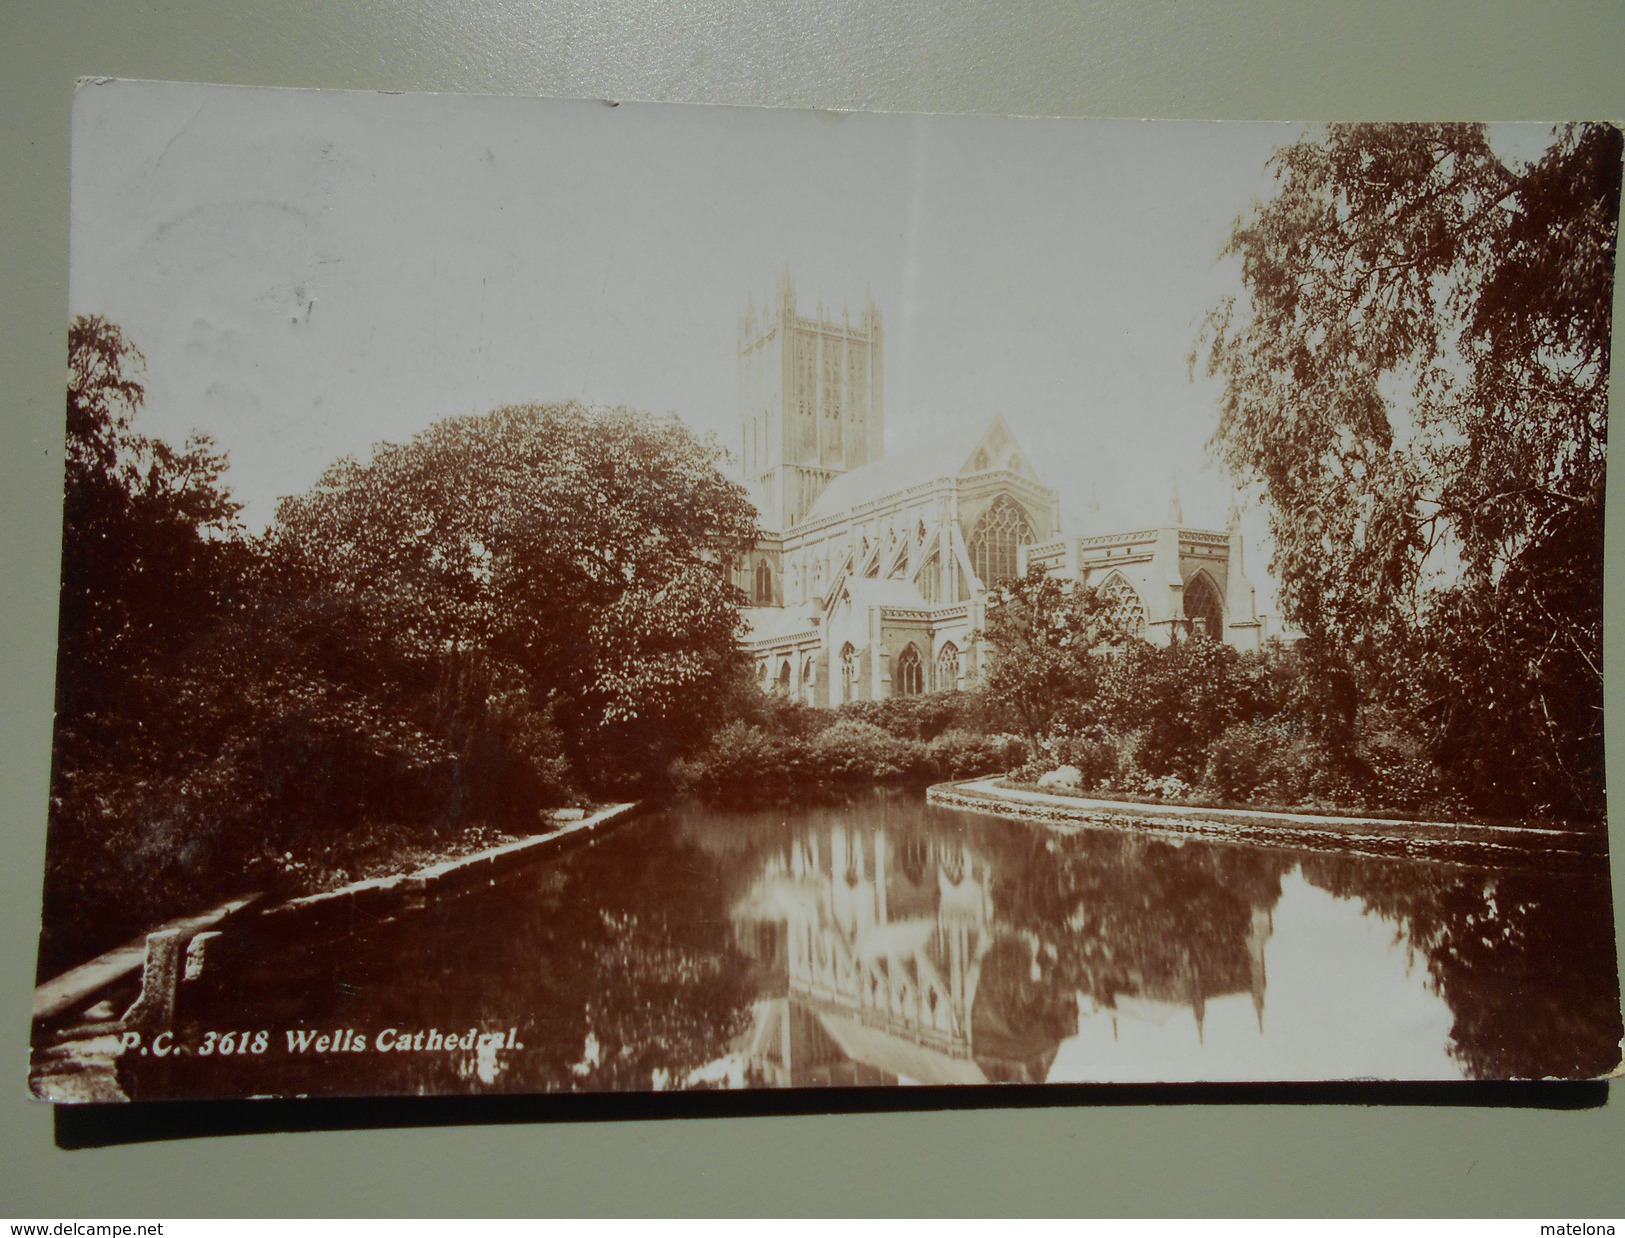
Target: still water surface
<point>879,941</point>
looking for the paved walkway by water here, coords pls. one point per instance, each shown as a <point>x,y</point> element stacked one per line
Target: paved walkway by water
<point>88,979</point>
<point>991,785</point>
<point>1435,839</point>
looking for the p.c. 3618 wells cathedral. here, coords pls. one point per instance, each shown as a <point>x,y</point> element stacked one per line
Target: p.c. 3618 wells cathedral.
<point>871,576</point>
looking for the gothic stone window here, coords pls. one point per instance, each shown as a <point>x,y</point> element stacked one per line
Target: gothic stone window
<point>993,542</point>
<point>910,677</point>
<point>764,584</point>
<point>948,668</point>
<point>1203,607</point>
<point>849,671</point>
<point>1125,605</point>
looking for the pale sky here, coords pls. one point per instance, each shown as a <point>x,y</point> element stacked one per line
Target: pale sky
<point>311,272</point>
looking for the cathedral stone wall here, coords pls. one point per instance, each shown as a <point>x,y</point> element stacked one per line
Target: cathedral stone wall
<point>872,576</point>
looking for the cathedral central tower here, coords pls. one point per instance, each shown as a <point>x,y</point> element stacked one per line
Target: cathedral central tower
<point>810,400</point>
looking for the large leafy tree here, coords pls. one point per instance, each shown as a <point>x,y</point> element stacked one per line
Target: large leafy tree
<point>1042,638</point>
<point>572,554</point>
<point>150,536</point>
<point>152,560</point>
<point>1415,382</point>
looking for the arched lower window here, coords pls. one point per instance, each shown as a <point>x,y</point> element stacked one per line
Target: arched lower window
<point>849,671</point>
<point>909,678</point>
<point>948,668</point>
<point>807,681</point>
<point>764,584</point>
<point>1204,608</point>
<point>1002,528</point>
<point>783,684</point>
<point>1125,605</point>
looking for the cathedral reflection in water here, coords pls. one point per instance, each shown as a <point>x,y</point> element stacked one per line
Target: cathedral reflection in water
<point>881,960</point>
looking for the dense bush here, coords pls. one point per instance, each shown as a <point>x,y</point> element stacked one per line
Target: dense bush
<point>915,717</point>
<point>965,754</point>
<point>1204,722</point>
<point>852,751</point>
<point>785,748</point>
<point>1093,752</point>
<point>1189,694</point>
<point>1246,759</point>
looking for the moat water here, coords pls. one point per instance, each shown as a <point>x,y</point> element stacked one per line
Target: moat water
<point>879,941</point>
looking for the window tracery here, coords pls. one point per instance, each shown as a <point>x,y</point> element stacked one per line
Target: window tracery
<point>909,679</point>
<point>1125,605</point>
<point>849,671</point>
<point>993,543</point>
<point>1204,608</point>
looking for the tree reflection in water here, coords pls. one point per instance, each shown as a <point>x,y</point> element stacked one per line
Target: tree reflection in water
<point>615,965</point>
<point>854,918</point>
<point>878,941</point>
<point>1525,960</point>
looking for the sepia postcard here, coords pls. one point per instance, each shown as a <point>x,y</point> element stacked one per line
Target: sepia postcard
<point>563,596</point>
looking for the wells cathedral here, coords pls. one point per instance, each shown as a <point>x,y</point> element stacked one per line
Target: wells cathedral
<point>871,576</point>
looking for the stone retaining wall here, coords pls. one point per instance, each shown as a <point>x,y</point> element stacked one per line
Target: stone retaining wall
<point>1461,847</point>
<point>77,1043</point>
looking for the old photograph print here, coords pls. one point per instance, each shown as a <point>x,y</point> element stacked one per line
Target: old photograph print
<point>560,596</point>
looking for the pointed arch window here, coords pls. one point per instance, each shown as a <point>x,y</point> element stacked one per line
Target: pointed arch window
<point>1125,605</point>
<point>909,679</point>
<point>948,668</point>
<point>994,542</point>
<point>849,671</point>
<point>1204,608</point>
<point>764,584</point>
